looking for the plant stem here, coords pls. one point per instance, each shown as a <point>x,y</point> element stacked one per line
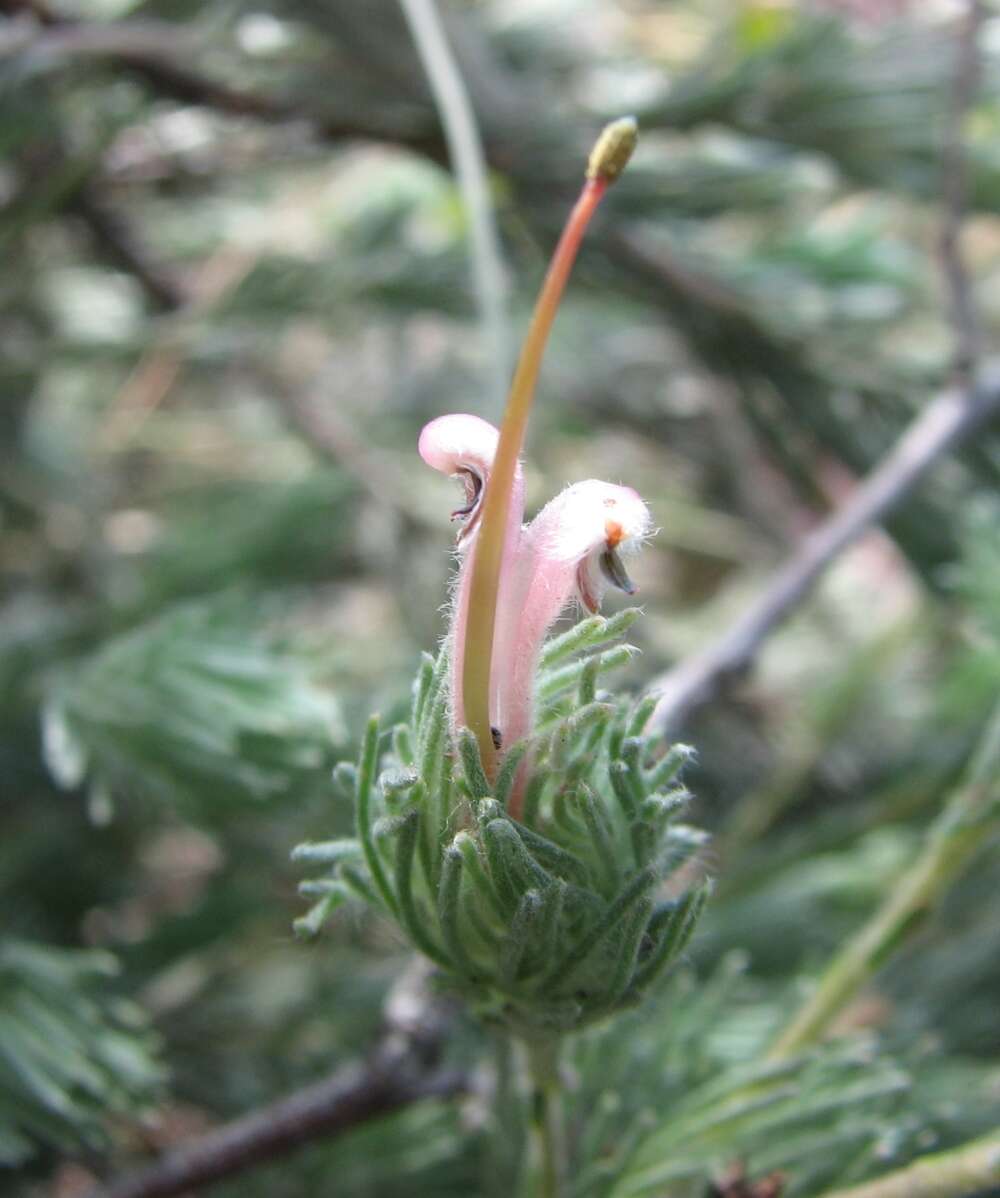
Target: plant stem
<point>506,1143</point>
<point>967,1170</point>
<point>546,1121</point>
<point>969,818</point>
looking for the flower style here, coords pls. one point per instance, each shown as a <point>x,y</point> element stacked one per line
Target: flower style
<point>608,159</point>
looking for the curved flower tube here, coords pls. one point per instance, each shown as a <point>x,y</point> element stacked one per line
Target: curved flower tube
<point>463,446</point>
<point>572,550</point>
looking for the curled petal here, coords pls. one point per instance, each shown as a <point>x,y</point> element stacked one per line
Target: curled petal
<point>458,441</point>
<point>462,446</point>
<point>588,517</point>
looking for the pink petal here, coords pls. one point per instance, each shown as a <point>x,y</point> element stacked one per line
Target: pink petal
<point>457,442</point>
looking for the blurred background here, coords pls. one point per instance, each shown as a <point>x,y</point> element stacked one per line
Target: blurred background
<point>236,283</point>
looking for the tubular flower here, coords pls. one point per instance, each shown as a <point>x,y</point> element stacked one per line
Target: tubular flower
<point>572,550</point>
<point>463,447</point>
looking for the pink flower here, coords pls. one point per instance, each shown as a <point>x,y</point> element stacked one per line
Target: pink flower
<point>571,551</point>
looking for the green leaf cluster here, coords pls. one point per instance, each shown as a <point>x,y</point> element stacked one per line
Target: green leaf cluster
<point>192,703</point>
<point>71,1053</point>
<point>547,922</point>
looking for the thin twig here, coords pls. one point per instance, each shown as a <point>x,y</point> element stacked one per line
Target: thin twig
<point>465,151</point>
<point>117,241</point>
<point>954,184</point>
<point>400,1072</point>
<point>157,370</point>
<point>152,51</point>
<point>65,39</point>
<point>54,179</point>
<point>945,423</point>
<point>309,412</point>
<point>971,1169</point>
<point>965,826</point>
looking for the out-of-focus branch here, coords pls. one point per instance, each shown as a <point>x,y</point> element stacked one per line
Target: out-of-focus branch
<point>54,180</point>
<point>966,824</point>
<point>403,1070</point>
<point>349,1097</point>
<point>971,1169</point>
<point>156,371</point>
<point>152,51</point>
<point>945,423</point>
<point>954,194</point>
<point>116,241</point>
<point>48,38</point>
<point>38,9</point>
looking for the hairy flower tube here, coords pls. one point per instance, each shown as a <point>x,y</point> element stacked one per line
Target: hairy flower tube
<point>571,551</point>
<point>520,827</point>
<point>464,447</point>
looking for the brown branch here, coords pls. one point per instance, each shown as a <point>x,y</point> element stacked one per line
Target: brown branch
<point>400,1072</point>
<point>67,186</point>
<point>331,436</point>
<point>349,1097</point>
<point>47,40</point>
<point>954,194</point>
<point>945,423</point>
<point>306,408</point>
<point>152,51</point>
<point>117,242</point>
<point>38,9</point>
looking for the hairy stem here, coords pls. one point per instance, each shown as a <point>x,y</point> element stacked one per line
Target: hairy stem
<point>547,1156</point>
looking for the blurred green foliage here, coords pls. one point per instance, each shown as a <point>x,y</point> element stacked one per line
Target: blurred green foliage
<point>193,706</point>
<point>68,1057</point>
<point>236,285</point>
